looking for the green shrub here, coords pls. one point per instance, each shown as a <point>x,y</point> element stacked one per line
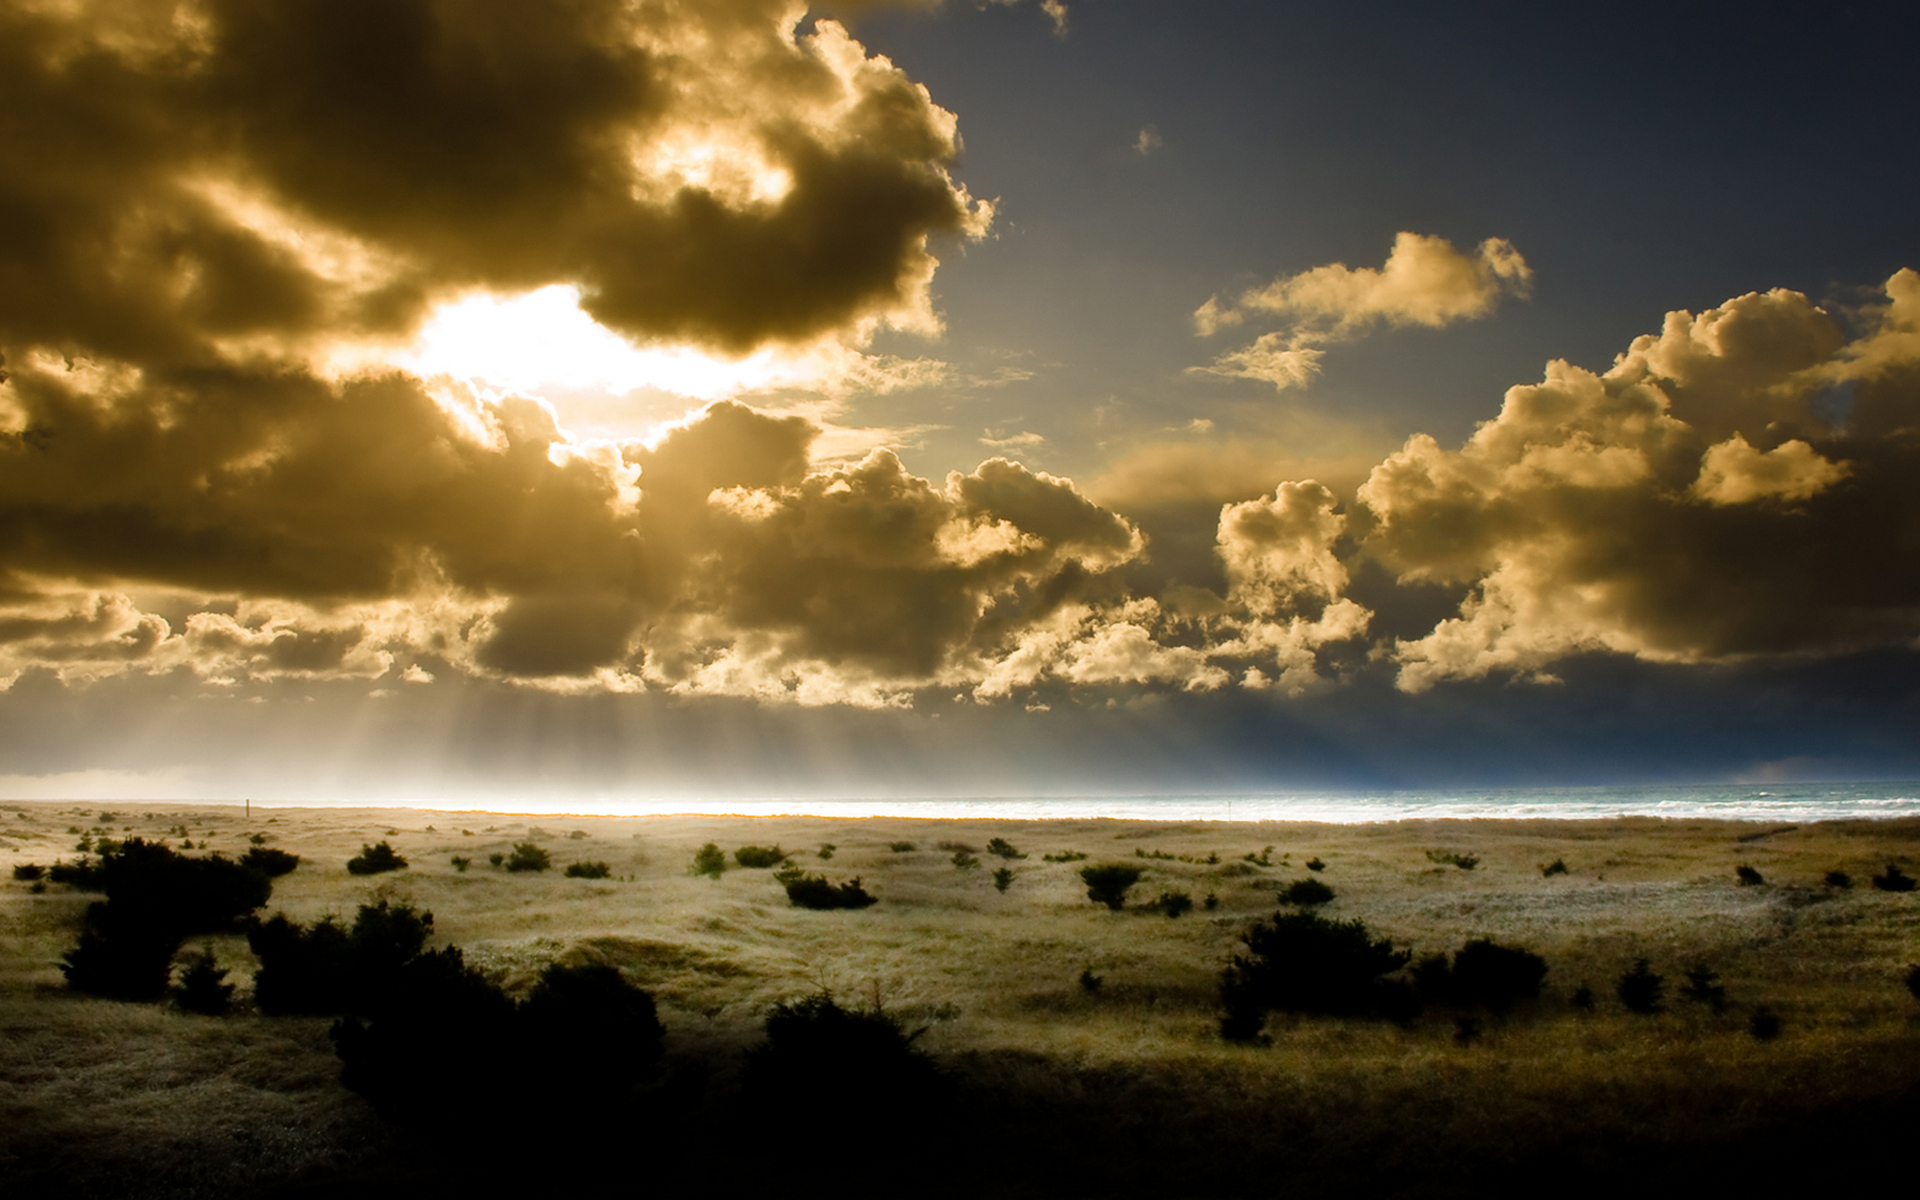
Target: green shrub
<point>1640,989</point>
<point>760,857</point>
<point>1108,884</point>
<point>1557,867</point>
<point>461,864</point>
<point>1002,879</point>
<point>826,850</point>
<point>901,847</point>
<point>588,870</point>
<point>1262,859</point>
<point>528,857</point>
<point>1747,876</point>
<point>373,860</point>
<point>1895,880</point>
<point>1174,904</point>
<point>964,861</point>
<point>813,891</point>
<point>28,872</point>
<point>203,988</point>
<point>1002,848</point>
<point>269,862</point>
<point>496,859</point>
<point>1302,962</point>
<point>1065,856</point>
<point>1306,893</point>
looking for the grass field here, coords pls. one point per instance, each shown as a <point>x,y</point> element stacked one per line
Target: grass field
<point>1064,1090</point>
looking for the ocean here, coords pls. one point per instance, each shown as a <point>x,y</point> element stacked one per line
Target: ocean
<point>1735,802</point>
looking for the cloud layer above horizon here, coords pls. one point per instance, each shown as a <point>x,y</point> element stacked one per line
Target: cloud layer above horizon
<point>204,202</point>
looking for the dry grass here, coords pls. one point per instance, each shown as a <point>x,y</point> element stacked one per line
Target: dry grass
<point>90,1086</point>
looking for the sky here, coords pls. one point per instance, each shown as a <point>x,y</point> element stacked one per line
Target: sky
<point>463,401</point>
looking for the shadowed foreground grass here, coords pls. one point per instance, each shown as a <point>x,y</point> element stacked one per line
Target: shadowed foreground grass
<point>1055,1089</point>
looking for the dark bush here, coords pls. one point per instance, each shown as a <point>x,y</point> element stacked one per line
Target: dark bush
<point>1306,893</point>
<point>826,850</point>
<point>28,872</point>
<point>1764,1024</point>
<point>599,1033</point>
<point>1747,876</point>
<point>1557,867</point>
<point>1211,902</point>
<point>1002,878</point>
<point>269,862</point>
<point>759,856</point>
<point>1314,864</point>
<point>121,955</point>
<point>824,1066</point>
<point>964,861</point>
<point>1302,962</point>
<point>1110,883</point>
<point>901,847</point>
<point>1640,989</point>
<point>1174,904</point>
<point>203,988</point>
<point>813,891</point>
<point>1002,848</point>
<point>460,863</point>
<point>588,870</point>
<point>1895,880</point>
<point>708,860</point>
<point>1432,979</point>
<point>1466,862</point>
<point>1495,977</point>
<point>329,970</point>
<point>1065,856</point>
<point>1582,998</point>
<point>1839,879</point>
<point>1913,981</point>
<point>419,1046</point>
<point>1262,859</point>
<point>496,859</point>
<point>1089,982</point>
<point>528,857</point>
<point>1466,1030</point>
<point>83,874</point>
<point>373,860</point>
<point>1703,987</point>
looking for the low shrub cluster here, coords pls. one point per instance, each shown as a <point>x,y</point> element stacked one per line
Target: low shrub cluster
<point>760,857</point>
<point>1109,884</point>
<point>1002,848</point>
<point>270,862</point>
<point>1748,876</point>
<point>1065,856</point>
<point>375,860</point>
<point>1483,974</point>
<point>813,891</point>
<point>528,857</point>
<point>1174,904</point>
<point>1894,880</point>
<point>902,847</point>
<point>1306,893</point>
<point>1304,963</point>
<point>824,1067</point>
<point>588,870</point>
<point>1466,862</point>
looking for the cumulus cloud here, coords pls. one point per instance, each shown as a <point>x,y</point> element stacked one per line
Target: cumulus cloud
<point>1691,504</point>
<point>1425,281</point>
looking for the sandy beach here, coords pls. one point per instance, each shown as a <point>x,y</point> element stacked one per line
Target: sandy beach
<point>223,1106</point>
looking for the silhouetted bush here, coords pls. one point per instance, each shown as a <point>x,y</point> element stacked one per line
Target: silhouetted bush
<point>121,955</point>
<point>1894,880</point>
<point>373,860</point>
<point>1174,904</point>
<point>1466,1030</point>
<point>1703,987</point>
<point>826,850</point>
<point>271,863</point>
<point>901,847</point>
<point>325,969</point>
<point>203,988</point>
<point>1089,982</point>
<point>1313,864</point>
<point>528,857</point>
<point>598,1033</point>
<point>823,1067</point>
<point>83,874</point>
<point>1002,848</point>
<point>1211,902</point>
<point>496,859</point>
<point>419,1046</point>
<point>1262,859</point>
<point>1002,879</point>
<point>1110,883</point>
<point>708,860</point>
<point>28,872</point>
<point>813,891</point>
<point>460,863</point>
<point>588,870</point>
<point>1640,989</point>
<point>1302,962</point>
<point>1489,975</point>
<point>1764,1024</point>
<point>1466,862</point>
<point>1839,879</point>
<point>1913,981</point>
<point>964,861</point>
<point>1582,998</point>
<point>759,856</point>
<point>1306,893</point>
<point>1747,876</point>
<point>1065,856</point>
<point>1557,867</point>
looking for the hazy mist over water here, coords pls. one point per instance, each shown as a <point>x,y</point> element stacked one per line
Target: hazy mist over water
<point>1733,802</point>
